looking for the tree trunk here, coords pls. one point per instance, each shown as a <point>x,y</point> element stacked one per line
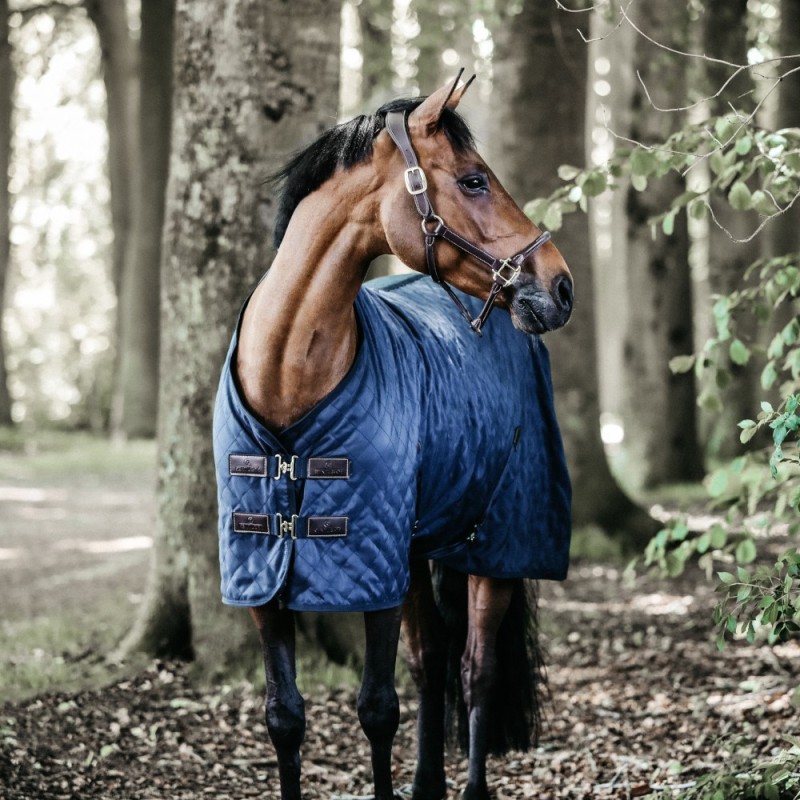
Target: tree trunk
<point>659,409</point>
<point>725,37</point>
<point>119,75</point>
<point>610,59</point>
<point>6,105</point>
<point>784,232</point>
<point>539,107</point>
<point>375,22</point>
<point>135,400</point>
<point>253,79</point>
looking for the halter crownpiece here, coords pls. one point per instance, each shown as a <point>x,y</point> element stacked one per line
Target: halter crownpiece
<point>505,271</point>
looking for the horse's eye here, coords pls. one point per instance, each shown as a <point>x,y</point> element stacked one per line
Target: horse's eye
<point>474,184</point>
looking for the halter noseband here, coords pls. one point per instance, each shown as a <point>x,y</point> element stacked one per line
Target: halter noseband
<point>505,272</point>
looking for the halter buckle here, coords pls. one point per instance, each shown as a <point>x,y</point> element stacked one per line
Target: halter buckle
<point>501,279</point>
<point>418,173</point>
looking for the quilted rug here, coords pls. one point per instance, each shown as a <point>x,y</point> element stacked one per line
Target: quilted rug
<point>437,444</point>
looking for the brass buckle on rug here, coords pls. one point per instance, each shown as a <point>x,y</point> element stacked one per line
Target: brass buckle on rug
<point>286,526</point>
<point>285,467</point>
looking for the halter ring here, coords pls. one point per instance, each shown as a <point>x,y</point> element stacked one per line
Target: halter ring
<point>438,227</point>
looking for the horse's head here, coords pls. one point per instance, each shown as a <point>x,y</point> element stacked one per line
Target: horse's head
<point>532,282</point>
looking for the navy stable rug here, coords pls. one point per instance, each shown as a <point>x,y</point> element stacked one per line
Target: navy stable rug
<point>437,444</point>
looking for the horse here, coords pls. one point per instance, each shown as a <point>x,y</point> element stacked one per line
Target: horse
<point>376,453</point>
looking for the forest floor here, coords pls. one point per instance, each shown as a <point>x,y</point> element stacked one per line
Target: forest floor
<point>642,701</point>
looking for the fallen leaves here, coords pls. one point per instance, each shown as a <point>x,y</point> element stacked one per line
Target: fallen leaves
<point>641,702</point>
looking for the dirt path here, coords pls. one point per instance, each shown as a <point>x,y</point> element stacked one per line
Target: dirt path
<point>641,699</point>
<point>76,531</point>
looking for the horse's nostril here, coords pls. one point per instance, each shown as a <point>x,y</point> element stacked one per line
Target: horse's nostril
<point>563,292</point>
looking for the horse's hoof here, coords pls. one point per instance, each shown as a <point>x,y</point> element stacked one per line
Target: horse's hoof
<point>473,792</point>
<point>424,793</point>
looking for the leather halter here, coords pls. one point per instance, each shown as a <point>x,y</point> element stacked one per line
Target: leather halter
<point>505,271</point>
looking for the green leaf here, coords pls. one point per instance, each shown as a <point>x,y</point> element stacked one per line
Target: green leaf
<point>744,145</point>
<point>698,209</point>
<point>745,551</point>
<point>553,218</point>
<point>723,128</point>
<point>739,196</point>
<point>668,223</point>
<point>639,182</point>
<point>726,577</point>
<point>717,483</point>
<point>575,194</point>
<point>718,536</point>
<point>568,173</point>
<point>739,352</point>
<point>681,364</point>
<point>792,160</point>
<point>717,162</point>
<point>674,564</point>
<point>643,162</point>
<point>595,183</point>
<point>747,434</point>
<point>536,209</point>
<point>709,401</point>
<point>680,532</point>
<point>762,203</point>
<point>769,375</point>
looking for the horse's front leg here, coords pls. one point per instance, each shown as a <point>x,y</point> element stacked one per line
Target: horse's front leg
<point>426,639</point>
<point>488,601</point>
<point>285,709</point>
<point>378,707</point>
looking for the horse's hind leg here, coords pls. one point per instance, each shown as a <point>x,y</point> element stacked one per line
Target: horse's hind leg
<point>425,637</point>
<point>488,602</point>
<point>286,719</point>
<point>378,707</point>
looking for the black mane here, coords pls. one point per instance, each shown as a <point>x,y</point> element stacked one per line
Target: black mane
<point>346,145</point>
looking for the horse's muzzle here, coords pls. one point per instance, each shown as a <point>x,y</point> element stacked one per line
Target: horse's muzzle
<point>535,310</point>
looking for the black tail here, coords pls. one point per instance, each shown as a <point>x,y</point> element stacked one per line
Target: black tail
<point>521,685</point>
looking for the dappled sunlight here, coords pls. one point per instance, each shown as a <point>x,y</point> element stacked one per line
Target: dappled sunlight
<point>662,603</point>
<point>657,604</point>
<point>29,494</point>
<point>122,545</point>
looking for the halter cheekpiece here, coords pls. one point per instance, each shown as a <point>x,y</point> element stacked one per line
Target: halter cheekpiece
<point>505,271</point>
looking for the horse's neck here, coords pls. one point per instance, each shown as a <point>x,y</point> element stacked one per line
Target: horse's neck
<point>299,334</point>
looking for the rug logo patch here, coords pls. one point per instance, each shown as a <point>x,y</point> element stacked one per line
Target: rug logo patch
<point>331,468</point>
<point>326,527</point>
<point>250,523</point>
<point>255,466</point>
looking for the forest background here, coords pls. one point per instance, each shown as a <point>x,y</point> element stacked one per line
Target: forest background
<point>658,141</point>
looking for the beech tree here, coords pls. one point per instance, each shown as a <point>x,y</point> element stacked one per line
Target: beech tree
<point>659,409</point>
<point>6,104</point>
<point>537,124</point>
<point>252,81</point>
<point>135,400</point>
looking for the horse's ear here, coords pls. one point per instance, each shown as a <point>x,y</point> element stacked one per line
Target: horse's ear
<point>429,113</point>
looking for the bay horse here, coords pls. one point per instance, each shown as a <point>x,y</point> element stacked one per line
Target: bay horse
<point>362,434</point>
